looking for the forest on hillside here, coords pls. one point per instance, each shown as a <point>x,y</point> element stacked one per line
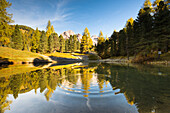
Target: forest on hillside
<point>22,37</point>
<point>142,37</point>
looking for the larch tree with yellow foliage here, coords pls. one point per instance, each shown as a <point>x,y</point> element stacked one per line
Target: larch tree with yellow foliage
<point>52,29</point>
<point>83,44</point>
<point>101,38</point>
<point>35,41</point>
<point>5,19</point>
<point>86,42</point>
<point>147,3</point>
<point>49,29</point>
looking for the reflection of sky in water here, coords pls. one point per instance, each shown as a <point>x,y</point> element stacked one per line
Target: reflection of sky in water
<point>72,98</point>
<point>60,102</point>
<point>108,89</point>
<point>94,90</point>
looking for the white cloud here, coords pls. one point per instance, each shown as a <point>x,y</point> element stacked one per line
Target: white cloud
<point>35,15</point>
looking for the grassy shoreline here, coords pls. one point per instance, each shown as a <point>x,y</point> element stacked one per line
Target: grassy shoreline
<point>12,56</point>
<point>62,55</point>
<point>164,59</point>
<point>9,55</point>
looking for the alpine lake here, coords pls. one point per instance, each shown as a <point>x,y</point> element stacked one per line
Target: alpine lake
<point>85,88</point>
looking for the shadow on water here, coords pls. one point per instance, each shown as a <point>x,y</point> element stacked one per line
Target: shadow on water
<point>65,60</point>
<point>5,61</point>
<point>40,64</point>
<point>144,86</point>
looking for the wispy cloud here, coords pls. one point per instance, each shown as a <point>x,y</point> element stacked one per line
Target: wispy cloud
<point>36,13</point>
<point>61,13</point>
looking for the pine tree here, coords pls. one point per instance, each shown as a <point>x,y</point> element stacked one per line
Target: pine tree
<point>66,45</point>
<point>74,43</point>
<point>106,48</point>
<point>17,39</point>
<point>35,41</point>
<point>51,43</point>
<point>162,27</point>
<point>5,19</point>
<point>114,39</point>
<point>43,43</point>
<point>70,45</point>
<point>62,44</point>
<point>24,40</point>
<point>34,44</point>
<point>29,39</point>
<point>48,33</point>
<point>56,42</point>
<point>143,30</point>
<point>78,45</point>
<point>83,44</point>
<point>148,33</point>
<point>52,29</point>
<point>129,38</point>
<point>122,43</point>
<point>48,25</point>
<point>100,44</point>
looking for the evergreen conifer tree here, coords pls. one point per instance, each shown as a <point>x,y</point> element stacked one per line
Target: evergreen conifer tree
<point>43,47</point>
<point>51,43</point>
<point>62,44</point>
<point>162,27</point>
<point>74,43</point>
<point>17,42</point>
<point>114,39</point>
<point>35,41</point>
<point>5,19</point>
<point>56,42</point>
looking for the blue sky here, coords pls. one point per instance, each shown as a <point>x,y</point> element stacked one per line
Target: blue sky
<point>96,15</point>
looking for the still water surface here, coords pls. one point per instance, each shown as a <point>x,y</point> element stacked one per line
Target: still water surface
<point>93,88</point>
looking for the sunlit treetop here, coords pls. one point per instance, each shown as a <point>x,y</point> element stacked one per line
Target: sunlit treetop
<point>124,29</point>
<point>86,32</point>
<point>101,38</point>
<point>48,25</point>
<point>101,34</point>
<point>156,2</point>
<point>131,20</point>
<point>52,29</point>
<point>147,3</point>
<point>107,37</point>
<point>141,11</point>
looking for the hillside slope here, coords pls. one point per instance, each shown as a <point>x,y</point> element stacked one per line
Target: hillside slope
<point>17,56</point>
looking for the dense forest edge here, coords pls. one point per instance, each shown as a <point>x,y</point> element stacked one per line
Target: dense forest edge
<point>141,40</point>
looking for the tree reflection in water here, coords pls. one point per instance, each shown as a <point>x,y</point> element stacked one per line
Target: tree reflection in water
<point>141,85</point>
